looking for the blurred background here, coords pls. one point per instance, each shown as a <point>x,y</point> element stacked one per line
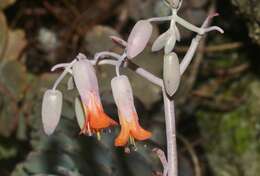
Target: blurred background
<point>218,104</point>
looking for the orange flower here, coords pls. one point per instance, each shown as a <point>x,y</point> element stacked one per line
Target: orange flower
<point>131,130</point>
<point>86,82</point>
<point>130,127</point>
<point>95,117</point>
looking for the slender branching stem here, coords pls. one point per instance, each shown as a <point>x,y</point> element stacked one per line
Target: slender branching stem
<point>119,63</point>
<point>160,153</point>
<point>158,19</point>
<point>107,62</point>
<point>64,73</point>
<point>172,156</point>
<point>145,74</point>
<point>104,54</point>
<point>194,46</point>
<point>140,71</point>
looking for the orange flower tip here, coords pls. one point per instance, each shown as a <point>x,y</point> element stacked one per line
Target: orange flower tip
<point>141,135</point>
<point>100,122</point>
<point>119,143</point>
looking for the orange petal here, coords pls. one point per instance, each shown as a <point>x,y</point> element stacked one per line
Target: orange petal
<point>138,132</point>
<point>123,136</point>
<point>96,116</point>
<point>100,120</point>
<point>131,129</point>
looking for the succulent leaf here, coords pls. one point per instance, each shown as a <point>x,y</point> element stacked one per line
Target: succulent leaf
<point>161,41</point>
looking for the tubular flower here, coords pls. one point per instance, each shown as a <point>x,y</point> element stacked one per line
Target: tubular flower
<point>130,127</point>
<point>87,85</point>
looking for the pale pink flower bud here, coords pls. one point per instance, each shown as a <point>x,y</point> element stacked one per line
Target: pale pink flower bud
<point>171,73</point>
<point>51,110</point>
<point>138,38</point>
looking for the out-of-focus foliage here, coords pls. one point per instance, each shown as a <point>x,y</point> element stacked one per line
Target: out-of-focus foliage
<point>5,3</point>
<point>13,75</point>
<point>233,137</point>
<point>250,11</point>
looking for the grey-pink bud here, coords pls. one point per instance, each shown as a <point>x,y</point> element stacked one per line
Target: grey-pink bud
<point>138,38</point>
<point>51,110</point>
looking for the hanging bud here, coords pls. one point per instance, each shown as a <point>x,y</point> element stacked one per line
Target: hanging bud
<point>86,82</point>
<point>51,110</point>
<point>138,38</point>
<point>130,127</point>
<point>171,73</point>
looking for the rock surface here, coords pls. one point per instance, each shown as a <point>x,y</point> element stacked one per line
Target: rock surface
<point>250,10</point>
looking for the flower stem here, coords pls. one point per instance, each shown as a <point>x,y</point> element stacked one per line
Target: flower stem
<point>170,135</point>
<point>64,73</point>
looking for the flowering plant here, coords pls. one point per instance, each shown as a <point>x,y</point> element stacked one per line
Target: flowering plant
<point>89,111</point>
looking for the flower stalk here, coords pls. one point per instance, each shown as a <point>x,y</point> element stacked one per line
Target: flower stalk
<point>89,111</point>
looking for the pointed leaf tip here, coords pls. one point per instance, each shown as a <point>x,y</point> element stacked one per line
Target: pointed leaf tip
<point>160,42</point>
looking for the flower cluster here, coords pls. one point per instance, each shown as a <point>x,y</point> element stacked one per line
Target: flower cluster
<point>95,119</point>
<point>89,110</point>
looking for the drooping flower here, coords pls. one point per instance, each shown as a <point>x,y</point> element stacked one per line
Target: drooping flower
<point>130,127</point>
<point>86,82</point>
<point>51,110</point>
